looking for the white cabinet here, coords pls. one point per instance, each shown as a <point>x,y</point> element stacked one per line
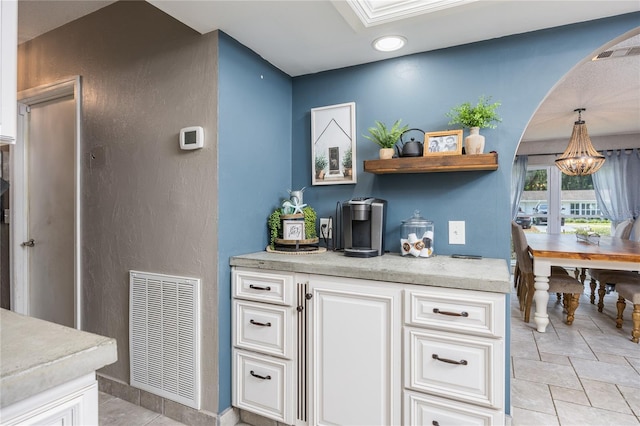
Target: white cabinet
<point>73,403</point>
<point>314,349</point>
<point>8,69</point>
<point>454,357</point>
<point>264,339</point>
<point>355,352</point>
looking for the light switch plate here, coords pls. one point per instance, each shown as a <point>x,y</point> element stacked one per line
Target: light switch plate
<point>456,232</point>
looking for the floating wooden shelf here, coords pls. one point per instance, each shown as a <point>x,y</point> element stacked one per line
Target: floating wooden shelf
<point>431,164</point>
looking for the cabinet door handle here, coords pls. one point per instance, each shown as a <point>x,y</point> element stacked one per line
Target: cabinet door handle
<point>259,376</point>
<point>452,314</point>
<point>449,361</point>
<point>435,423</point>
<point>261,324</point>
<point>257,287</point>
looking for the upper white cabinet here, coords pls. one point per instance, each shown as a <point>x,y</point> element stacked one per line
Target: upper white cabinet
<point>8,70</point>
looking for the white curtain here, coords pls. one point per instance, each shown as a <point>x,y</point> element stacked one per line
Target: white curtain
<point>617,185</point>
<point>518,175</point>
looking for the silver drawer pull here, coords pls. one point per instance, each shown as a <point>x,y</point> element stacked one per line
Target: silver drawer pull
<point>261,324</point>
<point>257,287</point>
<point>449,361</point>
<point>259,376</point>
<point>452,314</point>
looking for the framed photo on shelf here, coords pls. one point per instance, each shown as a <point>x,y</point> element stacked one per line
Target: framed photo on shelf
<point>448,142</point>
<point>333,144</point>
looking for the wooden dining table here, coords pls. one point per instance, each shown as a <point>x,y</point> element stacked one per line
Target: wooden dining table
<point>567,251</point>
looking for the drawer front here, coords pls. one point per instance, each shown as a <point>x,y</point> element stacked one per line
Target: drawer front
<point>465,368</point>
<point>263,327</point>
<point>427,410</point>
<point>263,286</point>
<point>461,311</point>
<point>263,385</point>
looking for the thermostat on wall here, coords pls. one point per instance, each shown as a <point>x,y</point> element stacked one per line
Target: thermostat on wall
<point>191,137</point>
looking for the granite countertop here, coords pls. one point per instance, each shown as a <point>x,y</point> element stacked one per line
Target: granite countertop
<point>38,355</point>
<point>439,271</point>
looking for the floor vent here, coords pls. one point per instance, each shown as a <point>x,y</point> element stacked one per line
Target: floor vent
<point>164,336</point>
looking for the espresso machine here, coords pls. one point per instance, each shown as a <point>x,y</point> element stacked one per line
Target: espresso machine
<point>363,226</point>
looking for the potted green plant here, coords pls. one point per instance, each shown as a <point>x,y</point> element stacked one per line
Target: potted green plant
<point>386,138</point>
<point>475,117</point>
<point>346,162</point>
<point>321,164</point>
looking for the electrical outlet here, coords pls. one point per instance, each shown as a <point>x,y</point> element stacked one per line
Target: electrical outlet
<point>326,228</point>
<point>456,232</point>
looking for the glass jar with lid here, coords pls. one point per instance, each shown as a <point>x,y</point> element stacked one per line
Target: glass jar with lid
<point>417,236</point>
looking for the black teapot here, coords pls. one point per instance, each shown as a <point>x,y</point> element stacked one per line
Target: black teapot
<point>411,148</point>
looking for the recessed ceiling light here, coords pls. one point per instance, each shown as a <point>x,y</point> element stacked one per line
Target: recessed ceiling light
<point>389,43</point>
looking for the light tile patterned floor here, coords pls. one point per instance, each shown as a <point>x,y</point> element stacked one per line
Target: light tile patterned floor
<point>117,412</point>
<point>584,374</point>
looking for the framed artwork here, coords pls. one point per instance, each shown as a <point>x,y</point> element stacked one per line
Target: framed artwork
<point>448,142</point>
<point>333,144</point>
<point>293,230</point>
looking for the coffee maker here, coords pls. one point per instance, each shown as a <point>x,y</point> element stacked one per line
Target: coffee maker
<point>363,226</point>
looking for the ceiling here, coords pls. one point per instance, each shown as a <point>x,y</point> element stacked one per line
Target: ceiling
<point>309,36</point>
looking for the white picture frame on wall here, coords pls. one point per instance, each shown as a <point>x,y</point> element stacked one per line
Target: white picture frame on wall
<point>333,144</point>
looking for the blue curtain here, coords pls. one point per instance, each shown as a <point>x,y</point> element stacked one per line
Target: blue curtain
<point>518,175</point>
<point>617,185</point>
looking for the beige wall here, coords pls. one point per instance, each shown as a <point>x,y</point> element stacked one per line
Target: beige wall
<point>148,206</point>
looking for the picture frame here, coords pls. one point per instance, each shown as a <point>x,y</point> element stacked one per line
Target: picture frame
<point>447,142</point>
<point>293,230</point>
<point>333,144</point>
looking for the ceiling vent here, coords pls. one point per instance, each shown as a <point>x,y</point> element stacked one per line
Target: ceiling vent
<point>618,53</point>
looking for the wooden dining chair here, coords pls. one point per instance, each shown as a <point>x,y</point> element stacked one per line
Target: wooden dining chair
<point>559,281</point>
<point>630,292</point>
<point>625,230</point>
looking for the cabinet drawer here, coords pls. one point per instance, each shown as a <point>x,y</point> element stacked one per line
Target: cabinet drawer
<point>462,311</point>
<point>427,410</point>
<point>465,368</point>
<point>263,327</point>
<point>263,385</point>
<point>263,286</point>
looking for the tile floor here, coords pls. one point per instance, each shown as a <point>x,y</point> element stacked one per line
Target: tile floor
<point>584,374</point>
<point>113,411</point>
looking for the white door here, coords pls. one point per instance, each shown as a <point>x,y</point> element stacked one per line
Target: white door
<point>355,350</point>
<point>45,200</point>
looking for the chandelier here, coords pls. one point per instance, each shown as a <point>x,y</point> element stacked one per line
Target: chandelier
<point>580,158</point>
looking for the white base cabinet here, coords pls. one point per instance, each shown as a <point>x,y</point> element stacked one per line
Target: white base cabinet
<point>74,403</point>
<point>323,350</point>
<point>355,352</point>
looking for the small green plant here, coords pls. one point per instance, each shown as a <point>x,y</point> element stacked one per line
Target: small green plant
<point>482,115</point>
<point>275,226</point>
<point>321,162</point>
<point>346,160</point>
<point>384,137</point>
<point>310,217</point>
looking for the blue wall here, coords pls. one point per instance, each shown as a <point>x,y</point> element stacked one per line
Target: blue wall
<point>254,169</point>
<point>518,71</point>
<point>260,159</point>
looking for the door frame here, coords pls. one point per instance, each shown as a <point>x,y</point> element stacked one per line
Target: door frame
<point>18,194</point>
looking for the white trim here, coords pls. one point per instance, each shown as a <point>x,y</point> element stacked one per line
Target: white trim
<point>19,275</point>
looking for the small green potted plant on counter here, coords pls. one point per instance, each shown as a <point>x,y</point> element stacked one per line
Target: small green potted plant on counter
<point>386,138</point>
<point>475,117</point>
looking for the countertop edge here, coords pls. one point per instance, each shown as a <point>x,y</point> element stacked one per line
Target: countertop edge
<point>285,263</point>
<point>23,384</point>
